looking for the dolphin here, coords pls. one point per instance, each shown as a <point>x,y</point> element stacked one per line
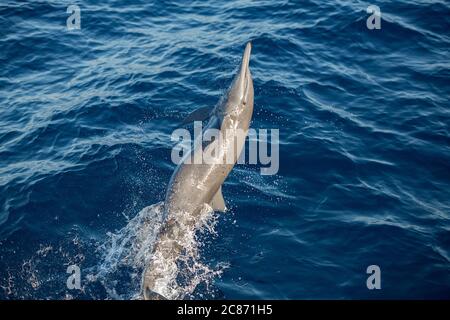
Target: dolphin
<point>193,185</point>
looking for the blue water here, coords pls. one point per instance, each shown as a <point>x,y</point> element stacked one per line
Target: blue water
<point>85,123</point>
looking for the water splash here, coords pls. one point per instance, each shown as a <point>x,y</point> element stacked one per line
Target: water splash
<point>127,252</point>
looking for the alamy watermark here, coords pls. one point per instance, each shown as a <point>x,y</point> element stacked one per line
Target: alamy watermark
<point>228,146</point>
<point>73,22</point>
<point>74,280</point>
<point>374,280</point>
<point>374,20</point>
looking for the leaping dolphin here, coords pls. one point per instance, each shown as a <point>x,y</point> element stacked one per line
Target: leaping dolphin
<point>193,185</point>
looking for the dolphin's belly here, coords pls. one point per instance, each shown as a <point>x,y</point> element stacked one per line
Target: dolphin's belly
<point>193,185</point>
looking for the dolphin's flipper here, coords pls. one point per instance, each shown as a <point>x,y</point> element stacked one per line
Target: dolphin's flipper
<point>198,115</point>
<point>217,203</point>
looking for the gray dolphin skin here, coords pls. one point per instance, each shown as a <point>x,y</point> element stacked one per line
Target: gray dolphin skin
<point>195,184</point>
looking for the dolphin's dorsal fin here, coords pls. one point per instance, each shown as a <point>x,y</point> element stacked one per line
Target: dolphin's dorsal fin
<point>217,203</point>
<point>198,115</point>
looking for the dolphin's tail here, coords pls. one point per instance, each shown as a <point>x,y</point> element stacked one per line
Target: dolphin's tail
<point>152,295</point>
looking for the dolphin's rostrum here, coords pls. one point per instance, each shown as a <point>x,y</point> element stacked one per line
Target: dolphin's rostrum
<point>192,184</point>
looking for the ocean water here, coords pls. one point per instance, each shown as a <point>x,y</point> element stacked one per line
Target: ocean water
<point>364,179</point>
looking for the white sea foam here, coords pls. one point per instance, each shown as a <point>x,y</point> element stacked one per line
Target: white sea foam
<point>128,251</point>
